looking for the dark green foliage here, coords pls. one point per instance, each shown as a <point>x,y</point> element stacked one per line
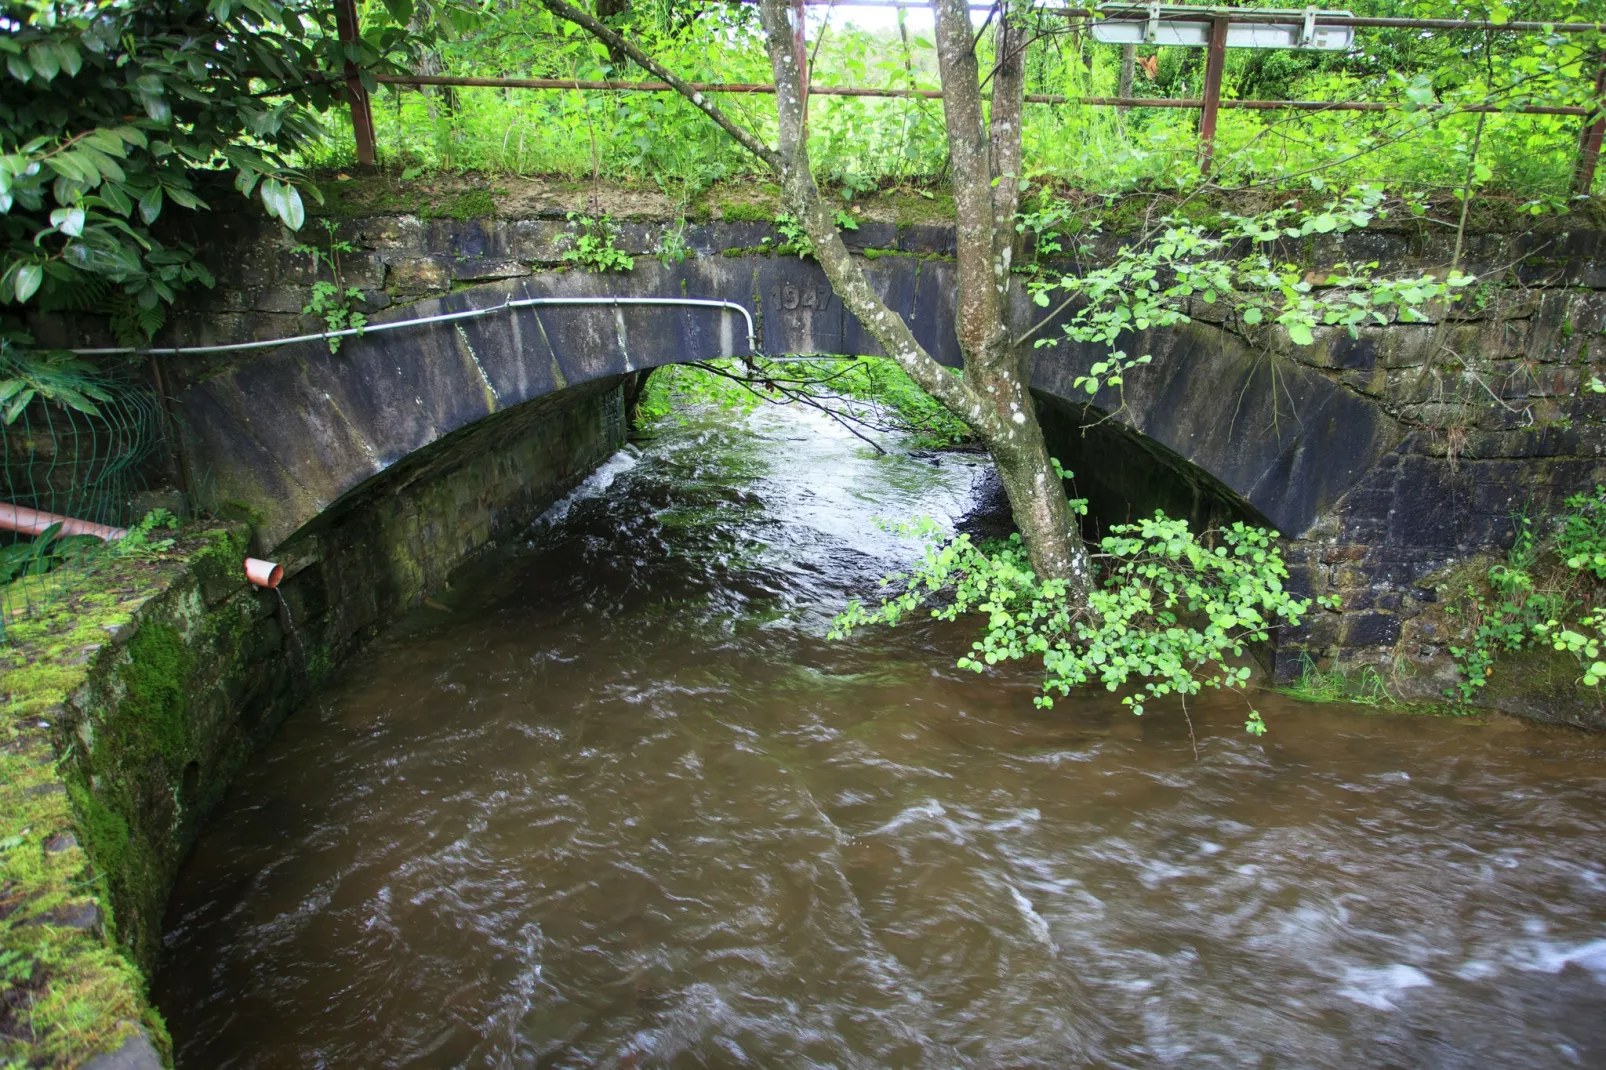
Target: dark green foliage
<point>134,324</point>
<point>36,556</point>
<point>1581,542</point>
<point>55,376</point>
<point>110,112</point>
<point>1548,592</point>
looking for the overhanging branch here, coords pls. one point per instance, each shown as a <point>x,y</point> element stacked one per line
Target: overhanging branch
<point>613,39</point>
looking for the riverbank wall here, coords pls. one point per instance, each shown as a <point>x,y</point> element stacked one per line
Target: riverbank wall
<point>132,697</point>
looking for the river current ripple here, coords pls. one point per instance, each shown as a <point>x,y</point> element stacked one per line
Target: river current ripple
<point>624,806</point>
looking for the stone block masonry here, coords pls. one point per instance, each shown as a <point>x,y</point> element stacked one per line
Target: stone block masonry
<point>1386,459</point>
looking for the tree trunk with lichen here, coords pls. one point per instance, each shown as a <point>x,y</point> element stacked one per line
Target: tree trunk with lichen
<point>985,160</point>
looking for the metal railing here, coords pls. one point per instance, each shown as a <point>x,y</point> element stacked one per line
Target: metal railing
<point>1209,104</point>
<point>441,317</point>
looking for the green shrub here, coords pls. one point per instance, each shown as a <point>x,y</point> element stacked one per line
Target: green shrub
<point>1170,609</point>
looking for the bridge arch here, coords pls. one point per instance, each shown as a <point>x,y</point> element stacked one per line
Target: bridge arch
<point>1223,431</point>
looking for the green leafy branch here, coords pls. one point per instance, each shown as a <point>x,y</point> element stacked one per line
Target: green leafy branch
<point>116,110</point>
<point>1154,284</point>
<point>1171,609</point>
<point>52,375</point>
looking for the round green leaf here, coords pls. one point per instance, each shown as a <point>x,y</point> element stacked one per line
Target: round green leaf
<point>29,276</point>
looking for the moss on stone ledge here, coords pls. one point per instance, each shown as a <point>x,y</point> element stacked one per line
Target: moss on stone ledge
<point>481,195</point>
<point>67,988</point>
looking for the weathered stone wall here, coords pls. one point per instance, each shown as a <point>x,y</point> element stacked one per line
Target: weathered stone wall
<point>1443,434</point>
<point>1494,423</point>
<point>398,538</point>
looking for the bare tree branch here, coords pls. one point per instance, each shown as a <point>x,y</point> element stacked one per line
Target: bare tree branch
<point>846,275</point>
<point>615,41</point>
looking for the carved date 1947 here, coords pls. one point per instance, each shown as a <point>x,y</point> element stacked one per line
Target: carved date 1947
<point>793,296</point>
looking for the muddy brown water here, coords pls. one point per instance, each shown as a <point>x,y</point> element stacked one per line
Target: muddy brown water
<point>624,806</point>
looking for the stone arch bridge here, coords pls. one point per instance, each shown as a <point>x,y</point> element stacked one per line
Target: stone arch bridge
<point>293,432</point>
<point>1380,473</point>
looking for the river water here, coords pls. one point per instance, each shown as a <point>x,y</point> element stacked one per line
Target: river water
<point>622,805</point>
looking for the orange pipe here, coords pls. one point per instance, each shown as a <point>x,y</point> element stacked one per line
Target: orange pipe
<point>35,522</point>
<point>263,573</point>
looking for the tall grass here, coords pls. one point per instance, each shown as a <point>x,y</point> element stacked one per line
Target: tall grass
<point>861,140</point>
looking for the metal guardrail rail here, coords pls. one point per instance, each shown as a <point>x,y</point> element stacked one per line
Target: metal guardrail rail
<point>443,317</point>
<point>1590,138</point>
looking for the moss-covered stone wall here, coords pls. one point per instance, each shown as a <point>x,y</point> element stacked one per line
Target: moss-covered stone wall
<point>128,704</point>
<point>116,740</point>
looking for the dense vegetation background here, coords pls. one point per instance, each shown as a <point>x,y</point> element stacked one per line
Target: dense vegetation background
<point>118,110</point>
<point>858,141</point>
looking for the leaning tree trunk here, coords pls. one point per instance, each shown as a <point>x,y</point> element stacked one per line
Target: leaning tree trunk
<point>986,164</point>
<point>991,396</point>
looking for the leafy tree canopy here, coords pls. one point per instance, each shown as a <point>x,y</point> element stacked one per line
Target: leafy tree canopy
<point>113,110</point>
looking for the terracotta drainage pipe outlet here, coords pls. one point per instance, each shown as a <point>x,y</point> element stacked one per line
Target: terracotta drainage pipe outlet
<point>34,522</point>
<point>263,573</point>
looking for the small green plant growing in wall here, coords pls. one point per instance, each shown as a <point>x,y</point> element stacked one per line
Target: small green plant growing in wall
<point>591,245</point>
<point>796,242</point>
<point>334,302</point>
<point>1537,598</point>
<point>142,539</point>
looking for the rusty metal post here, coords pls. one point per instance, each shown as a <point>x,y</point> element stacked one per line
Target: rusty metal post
<point>1215,63</point>
<point>1589,138</point>
<point>362,116</point>
<point>801,47</point>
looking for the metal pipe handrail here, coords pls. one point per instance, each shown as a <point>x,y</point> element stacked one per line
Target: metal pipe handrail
<point>1219,16</point>
<point>445,317</point>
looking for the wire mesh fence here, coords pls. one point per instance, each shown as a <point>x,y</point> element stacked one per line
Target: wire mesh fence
<point>88,466</point>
